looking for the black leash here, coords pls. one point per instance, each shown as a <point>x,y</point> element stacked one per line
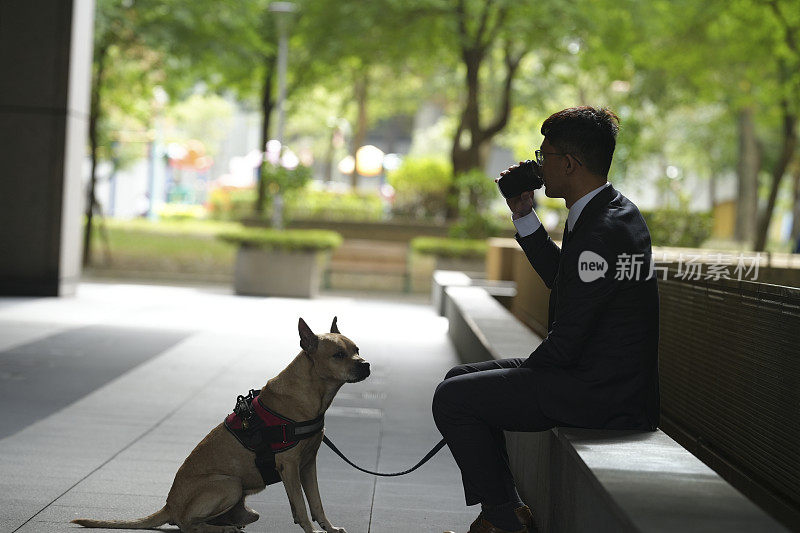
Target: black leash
<point>424,460</point>
<point>293,431</point>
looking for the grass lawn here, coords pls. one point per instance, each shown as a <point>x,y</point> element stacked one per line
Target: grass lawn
<point>164,248</point>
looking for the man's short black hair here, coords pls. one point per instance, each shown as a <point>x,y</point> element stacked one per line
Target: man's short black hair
<point>588,133</point>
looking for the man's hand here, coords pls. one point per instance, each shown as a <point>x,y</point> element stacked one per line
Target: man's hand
<point>520,205</point>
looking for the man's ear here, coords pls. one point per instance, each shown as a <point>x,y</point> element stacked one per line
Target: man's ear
<point>308,341</point>
<point>334,328</point>
<point>572,163</point>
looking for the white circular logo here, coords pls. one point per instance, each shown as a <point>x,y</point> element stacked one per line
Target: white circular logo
<point>591,266</point>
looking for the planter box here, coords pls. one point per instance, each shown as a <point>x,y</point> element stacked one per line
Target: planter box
<point>422,267</point>
<point>461,263</point>
<point>275,272</point>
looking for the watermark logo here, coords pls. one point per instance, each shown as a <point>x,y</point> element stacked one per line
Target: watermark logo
<point>744,266</point>
<point>591,266</point>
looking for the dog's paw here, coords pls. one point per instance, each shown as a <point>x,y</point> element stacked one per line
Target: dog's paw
<point>330,528</point>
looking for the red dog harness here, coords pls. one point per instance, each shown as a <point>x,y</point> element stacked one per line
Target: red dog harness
<point>266,432</point>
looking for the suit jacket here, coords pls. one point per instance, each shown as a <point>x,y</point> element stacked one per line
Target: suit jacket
<point>598,365</point>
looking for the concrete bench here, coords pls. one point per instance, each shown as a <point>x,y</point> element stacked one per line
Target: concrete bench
<point>597,481</point>
<point>367,264</point>
<point>503,291</point>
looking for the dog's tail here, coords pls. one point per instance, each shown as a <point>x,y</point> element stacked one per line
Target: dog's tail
<point>159,518</point>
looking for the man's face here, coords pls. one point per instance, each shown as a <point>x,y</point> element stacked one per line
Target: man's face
<point>553,171</point>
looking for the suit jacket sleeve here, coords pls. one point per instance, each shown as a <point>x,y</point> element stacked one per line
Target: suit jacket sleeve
<point>542,253</point>
<point>583,293</point>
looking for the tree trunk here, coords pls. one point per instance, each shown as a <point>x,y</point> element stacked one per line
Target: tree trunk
<point>747,175</point>
<point>329,155</point>
<point>466,154</point>
<point>464,150</point>
<point>94,117</point>
<point>360,93</point>
<point>267,103</point>
<point>796,207</point>
<point>473,152</point>
<point>712,191</point>
<point>787,153</point>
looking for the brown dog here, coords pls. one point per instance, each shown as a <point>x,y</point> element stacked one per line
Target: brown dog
<point>208,493</point>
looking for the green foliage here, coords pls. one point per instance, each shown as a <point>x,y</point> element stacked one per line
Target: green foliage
<point>421,185</point>
<point>475,224</point>
<point>476,188</point>
<point>475,192</point>
<point>283,239</point>
<point>678,72</point>
<point>441,247</point>
<point>678,227</point>
<point>279,179</point>
<point>139,46</point>
<point>179,212</point>
<point>204,117</point>
<point>300,204</point>
<point>325,205</point>
<point>485,42</point>
<point>385,42</point>
<point>423,175</point>
<point>176,228</point>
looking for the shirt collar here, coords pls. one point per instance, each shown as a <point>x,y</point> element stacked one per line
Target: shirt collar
<point>577,207</point>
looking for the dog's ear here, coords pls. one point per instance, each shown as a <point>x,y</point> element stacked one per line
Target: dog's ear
<point>308,341</point>
<point>334,328</point>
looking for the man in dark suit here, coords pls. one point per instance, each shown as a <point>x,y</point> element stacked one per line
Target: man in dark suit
<point>598,365</point>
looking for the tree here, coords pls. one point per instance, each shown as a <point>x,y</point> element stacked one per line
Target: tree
<point>477,35</point>
<point>480,28</point>
<point>366,49</point>
<point>787,64</point>
<point>486,41</point>
<point>229,45</point>
<point>762,92</point>
<point>742,53</point>
<point>120,58</point>
<point>142,44</point>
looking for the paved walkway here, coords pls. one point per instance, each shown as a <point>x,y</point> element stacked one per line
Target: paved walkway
<point>103,395</point>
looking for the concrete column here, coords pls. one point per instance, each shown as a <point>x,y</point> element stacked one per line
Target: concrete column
<point>45,75</point>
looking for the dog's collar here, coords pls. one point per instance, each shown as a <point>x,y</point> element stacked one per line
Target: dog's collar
<point>286,429</point>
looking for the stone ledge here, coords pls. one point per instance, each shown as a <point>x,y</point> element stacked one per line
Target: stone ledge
<point>442,279</point>
<point>588,480</point>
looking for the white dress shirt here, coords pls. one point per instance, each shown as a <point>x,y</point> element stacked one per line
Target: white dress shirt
<point>530,223</point>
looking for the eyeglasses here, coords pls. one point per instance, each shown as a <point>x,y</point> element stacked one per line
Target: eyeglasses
<point>540,156</point>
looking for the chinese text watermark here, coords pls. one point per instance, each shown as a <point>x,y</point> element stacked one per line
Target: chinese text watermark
<point>716,266</point>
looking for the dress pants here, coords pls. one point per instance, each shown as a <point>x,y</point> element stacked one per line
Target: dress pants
<point>471,408</point>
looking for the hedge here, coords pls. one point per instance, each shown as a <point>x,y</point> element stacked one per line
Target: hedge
<point>283,239</point>
<point>462,248</point>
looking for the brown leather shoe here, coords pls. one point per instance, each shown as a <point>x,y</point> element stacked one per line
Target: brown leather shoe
<point>481,525</point>
<point>525,517</point>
